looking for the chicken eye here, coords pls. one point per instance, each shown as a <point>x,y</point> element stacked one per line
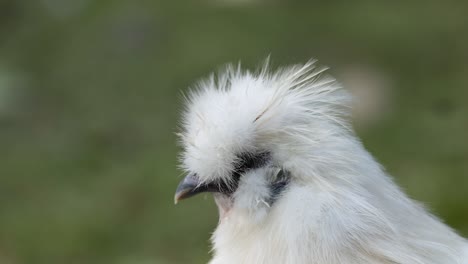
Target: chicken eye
<point>248,161</point>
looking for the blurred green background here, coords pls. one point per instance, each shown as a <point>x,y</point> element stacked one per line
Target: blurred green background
<point>90,96</point>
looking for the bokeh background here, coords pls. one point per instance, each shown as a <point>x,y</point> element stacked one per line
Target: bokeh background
<point>90,96</point>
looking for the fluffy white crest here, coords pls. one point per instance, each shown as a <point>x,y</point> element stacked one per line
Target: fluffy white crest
<point>241,112</point>
<point>338,206</point>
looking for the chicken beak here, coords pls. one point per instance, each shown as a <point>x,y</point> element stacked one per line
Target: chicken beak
<point>188,187</point>
<point>191,185</point>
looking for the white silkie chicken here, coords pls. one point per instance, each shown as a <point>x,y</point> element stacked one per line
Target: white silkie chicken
<point>292,182</point>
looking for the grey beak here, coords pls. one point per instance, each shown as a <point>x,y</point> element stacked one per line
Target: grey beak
<point>188,187</point>
<point>191,185</point>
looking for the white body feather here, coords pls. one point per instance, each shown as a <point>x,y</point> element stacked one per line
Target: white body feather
<point>340,206</point>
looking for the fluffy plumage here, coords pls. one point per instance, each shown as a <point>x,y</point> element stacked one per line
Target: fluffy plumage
<point>333,203</point>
